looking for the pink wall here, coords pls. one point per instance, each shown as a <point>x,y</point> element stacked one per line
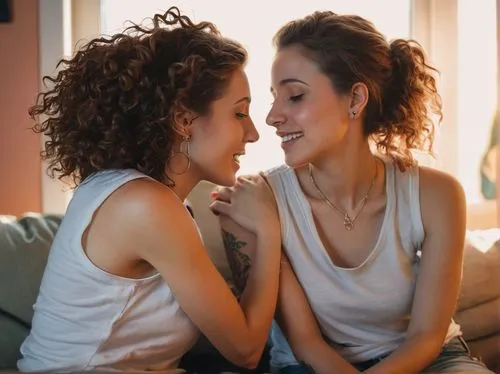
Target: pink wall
<point>20,174</point>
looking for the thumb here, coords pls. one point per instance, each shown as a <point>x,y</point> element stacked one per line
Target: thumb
<point>220,207</point>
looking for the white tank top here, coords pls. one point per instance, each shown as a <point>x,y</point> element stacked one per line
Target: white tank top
<point>363,312</point>
<point>87,319</point>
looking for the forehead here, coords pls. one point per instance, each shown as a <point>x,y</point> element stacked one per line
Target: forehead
<point>238,87</point>
<point>236,93</point>
<point>292,62</point>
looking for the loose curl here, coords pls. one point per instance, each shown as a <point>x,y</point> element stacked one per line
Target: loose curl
<point>403,99</point>
<point>112,105</point>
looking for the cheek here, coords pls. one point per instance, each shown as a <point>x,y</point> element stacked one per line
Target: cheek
<point>221,141</point>
<point>313,117</point>
<point>304,115</point>
<point>323,122</point>
<point>332,117</point>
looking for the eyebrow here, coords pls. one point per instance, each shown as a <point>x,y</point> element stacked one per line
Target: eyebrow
<point>284,82</point>
<point>246,98</point>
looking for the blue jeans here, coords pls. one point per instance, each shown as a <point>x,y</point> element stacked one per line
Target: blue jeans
<point>455,357</point>
<point>281,353</point>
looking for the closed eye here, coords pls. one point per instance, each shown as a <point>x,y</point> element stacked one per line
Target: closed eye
<point>240,115</point>
<point>296,98</point>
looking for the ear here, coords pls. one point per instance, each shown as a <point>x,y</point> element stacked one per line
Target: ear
<point>183,121</point>
<point>358,100</point>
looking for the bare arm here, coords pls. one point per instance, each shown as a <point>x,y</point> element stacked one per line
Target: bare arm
<point>239,245</point>
<point>167,238</point>
<point>443,213</point>
<point>250,268</point>
<point>299,325</point>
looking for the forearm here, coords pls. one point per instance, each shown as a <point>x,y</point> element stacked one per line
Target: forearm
<point>299,325</point>
<point>254,263</point>
<point>322,358</point>
<point>259,296</point>
<point>411,357</point>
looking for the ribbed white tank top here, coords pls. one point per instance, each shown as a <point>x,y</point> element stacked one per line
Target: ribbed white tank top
<point>364,311</point>
<point>87,319</point>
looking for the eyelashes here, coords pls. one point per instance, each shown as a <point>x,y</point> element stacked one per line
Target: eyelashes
<point>295,98</point>
<point>241,115</point>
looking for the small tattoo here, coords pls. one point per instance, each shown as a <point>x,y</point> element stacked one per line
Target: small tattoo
<point>239,262</point>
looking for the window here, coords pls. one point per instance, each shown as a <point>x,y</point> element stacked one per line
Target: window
<point>477,96</point>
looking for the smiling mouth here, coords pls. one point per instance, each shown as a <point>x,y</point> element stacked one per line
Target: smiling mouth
<point>289,137</point>
<point>236,157</point>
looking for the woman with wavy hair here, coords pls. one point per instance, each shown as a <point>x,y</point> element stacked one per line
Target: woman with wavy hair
<point>372,242</point>
<point>137,120</point>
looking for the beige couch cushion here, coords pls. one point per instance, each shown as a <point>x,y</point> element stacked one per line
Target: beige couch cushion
<point>480,321</point>
<point>481,274</point>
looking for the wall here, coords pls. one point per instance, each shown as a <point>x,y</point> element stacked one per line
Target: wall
<point>62,24</point>
<point>20,186</point>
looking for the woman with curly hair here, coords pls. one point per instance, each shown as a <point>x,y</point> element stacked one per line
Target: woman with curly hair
<point>137,120</point>
<point>372,242</point>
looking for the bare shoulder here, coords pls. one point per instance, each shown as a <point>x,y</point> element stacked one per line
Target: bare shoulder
<point>144,208</point>
<point>144,200</point>
<point>442,197</point>
<point>439,186</point>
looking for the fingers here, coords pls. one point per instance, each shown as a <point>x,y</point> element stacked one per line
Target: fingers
<point>243,181</point>
<point>222,194</point>
<point>219,207</point>
<point>245,185</point>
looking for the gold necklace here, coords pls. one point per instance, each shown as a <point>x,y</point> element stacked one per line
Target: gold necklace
<point>348,220</point>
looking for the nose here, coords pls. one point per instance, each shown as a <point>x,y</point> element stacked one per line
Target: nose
<point>251,133</point>
<point>275,117</point>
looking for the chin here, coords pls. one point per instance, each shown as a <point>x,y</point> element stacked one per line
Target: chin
<point>223,179</point>
<point>295,162</point>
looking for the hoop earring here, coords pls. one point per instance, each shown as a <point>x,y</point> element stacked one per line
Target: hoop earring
<point>183,156</point>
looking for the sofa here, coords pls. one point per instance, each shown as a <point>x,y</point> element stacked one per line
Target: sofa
<point>25,243</point>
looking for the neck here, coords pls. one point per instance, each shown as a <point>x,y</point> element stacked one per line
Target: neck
<point>183,184</point>
<point>346,176</point>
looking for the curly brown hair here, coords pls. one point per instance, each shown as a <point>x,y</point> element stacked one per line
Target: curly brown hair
<point>403,97</point>
<point>111,106</point>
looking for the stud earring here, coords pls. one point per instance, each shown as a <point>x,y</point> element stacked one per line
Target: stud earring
<point>353,114</point>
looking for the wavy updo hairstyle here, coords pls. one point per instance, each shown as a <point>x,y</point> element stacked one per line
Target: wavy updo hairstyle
<point>112,104</point>
<point>403,100</point>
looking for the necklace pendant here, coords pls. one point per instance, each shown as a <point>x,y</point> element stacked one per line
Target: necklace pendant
<point>348,223</point>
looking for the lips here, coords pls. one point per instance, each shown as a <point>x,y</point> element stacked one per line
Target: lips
<point>291,136</point>
<point>236,157</point>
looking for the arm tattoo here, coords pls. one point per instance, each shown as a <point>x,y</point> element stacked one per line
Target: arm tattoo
<point>239,262</point>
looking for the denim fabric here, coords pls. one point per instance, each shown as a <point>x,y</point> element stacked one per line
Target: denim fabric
<point>455,357</point>
<point>281,353</point>
<point>295,369</point>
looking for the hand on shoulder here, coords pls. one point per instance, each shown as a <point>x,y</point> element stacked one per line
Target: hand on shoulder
<point>250,203</point>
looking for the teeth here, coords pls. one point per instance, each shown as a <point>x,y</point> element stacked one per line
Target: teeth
<point>236,158</point>
<point>289,137</point>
